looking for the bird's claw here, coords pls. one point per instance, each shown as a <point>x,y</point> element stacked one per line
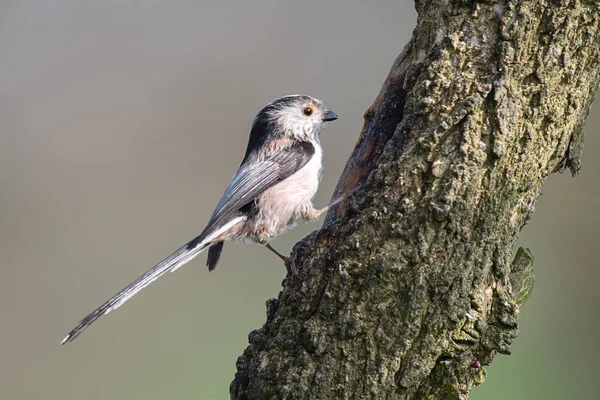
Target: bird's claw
<point>353,204</point>
<point>289,266</point>
<point>351,196</point>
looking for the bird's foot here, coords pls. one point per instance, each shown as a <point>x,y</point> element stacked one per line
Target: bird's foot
<point>287,261</point>
<point>289,266</point>
<point>353,204</point>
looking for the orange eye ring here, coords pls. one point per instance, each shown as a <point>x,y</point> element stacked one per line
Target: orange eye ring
<point>307,111</point>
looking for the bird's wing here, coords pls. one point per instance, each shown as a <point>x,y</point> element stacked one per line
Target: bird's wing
<point>251,180</point>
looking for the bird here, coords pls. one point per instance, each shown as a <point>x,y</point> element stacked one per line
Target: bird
<point>274,186</point>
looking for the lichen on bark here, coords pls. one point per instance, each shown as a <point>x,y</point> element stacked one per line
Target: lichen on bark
<point>409,297</point>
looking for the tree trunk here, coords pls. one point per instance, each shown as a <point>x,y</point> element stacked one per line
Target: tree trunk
<point>410,296</point>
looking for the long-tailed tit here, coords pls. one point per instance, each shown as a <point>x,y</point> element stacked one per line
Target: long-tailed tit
<point>274,186</point>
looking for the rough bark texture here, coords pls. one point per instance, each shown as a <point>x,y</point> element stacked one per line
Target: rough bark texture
<point>410,297</point>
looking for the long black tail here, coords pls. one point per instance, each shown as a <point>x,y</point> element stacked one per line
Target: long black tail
<point>177,259</point>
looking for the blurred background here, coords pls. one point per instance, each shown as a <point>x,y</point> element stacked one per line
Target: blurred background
<point>121,123</point>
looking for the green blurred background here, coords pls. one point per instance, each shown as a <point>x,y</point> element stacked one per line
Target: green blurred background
<point>120,125</point>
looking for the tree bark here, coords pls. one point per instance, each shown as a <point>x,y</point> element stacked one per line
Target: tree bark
<point>409,297</point>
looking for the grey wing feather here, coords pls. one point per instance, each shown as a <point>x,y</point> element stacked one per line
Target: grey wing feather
<point>246,185</point>
<point>253,178</point>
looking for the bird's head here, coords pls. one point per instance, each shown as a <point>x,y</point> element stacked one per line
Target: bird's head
<point>298,117</point>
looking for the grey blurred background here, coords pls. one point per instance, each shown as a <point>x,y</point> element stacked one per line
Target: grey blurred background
<point>120,125</point>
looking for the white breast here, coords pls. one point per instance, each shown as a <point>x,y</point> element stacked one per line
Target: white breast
<point>288,200</point>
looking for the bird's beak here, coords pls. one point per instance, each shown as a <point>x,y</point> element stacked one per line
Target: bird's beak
<point>329,116</point>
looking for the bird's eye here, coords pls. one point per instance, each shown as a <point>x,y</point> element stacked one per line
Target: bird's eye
<point>308,110</point>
